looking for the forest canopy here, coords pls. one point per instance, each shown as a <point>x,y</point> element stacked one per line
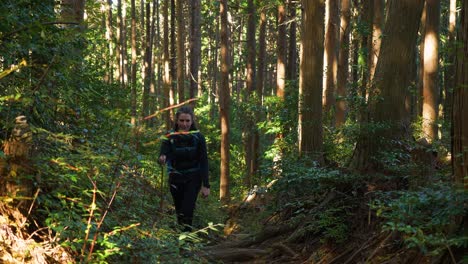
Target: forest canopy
<point>336,130</point>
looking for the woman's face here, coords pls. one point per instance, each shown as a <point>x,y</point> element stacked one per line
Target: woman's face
<point>184,122</point>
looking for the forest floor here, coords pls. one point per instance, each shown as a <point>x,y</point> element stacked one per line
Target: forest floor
<point>281,240</point>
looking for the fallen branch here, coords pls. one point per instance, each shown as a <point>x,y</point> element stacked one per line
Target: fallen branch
<point>169,108</point>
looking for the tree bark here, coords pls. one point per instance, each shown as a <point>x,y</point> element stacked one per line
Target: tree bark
<point>450,62</point>
<point>195,49</point>
<point>167,65</point>
<point>251,155</point>
<point>343,65</point>
<point>291,70</point>
<point>460,103</point>
<point>224,105</point>
<point>180,50</point>
<point>110,40</point>
<point>330,58</point>
<point>311,80</point>
<point>281,53</point>
<point>377,27</point>
<point>390,86</point>
<point>431,71</point>
<point>133,75</point>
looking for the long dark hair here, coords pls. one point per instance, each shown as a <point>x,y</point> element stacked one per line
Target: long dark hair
<point>185,110</point>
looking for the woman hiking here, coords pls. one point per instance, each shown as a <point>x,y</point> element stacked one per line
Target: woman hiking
<point>183,150</point>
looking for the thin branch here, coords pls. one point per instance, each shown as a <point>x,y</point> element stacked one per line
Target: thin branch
<point>169,108</point>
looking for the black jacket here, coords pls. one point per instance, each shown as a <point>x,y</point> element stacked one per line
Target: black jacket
<point>186,156</point>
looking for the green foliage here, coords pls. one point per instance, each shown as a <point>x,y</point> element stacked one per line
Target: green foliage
<point>425,217</point>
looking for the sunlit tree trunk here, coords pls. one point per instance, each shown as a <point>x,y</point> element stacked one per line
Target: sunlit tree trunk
<point>147,62</point>
<point>390,87</point>
<point>133,74</point>
<point>72,10</point>
<point>281,52</point>
<point>450,62</point>
<point>250,128</point>
<point>343,64</point>
<point>419,101</point>
<point>330,58</point>
<point>124,46</point>
<point>431,70</point>
<point>460,103</point>
<point>173,51</point>
<point>291,69</point>
<point>224,101</point>
<point>152,90</point>
<point>118,42</point>
<point>261,54</point>
<point>180,50</point>
<point>110,40</point>
<point>311,80</point>
<point>195,49</point>
<point>377,27</point>
<point>166,68</point>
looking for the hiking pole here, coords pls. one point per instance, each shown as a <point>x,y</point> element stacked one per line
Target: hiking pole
<point>161,197</point>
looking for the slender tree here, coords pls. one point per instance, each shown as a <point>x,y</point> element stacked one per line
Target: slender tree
<point>343,64</point>
<point>377,27</point>
<point>251,155</point>
<point>180,50</point>
<point>332,18</point>
<point>281,52</point>
<point>310,81</point>
<point>195,49</point>
<point>291,69</point>
<point>449,71</point>
<point>110,40</point>
<point>133,74</point>
<point>431,70</point>
<point>166,68</point>
<point>224,101</point>
<point>460,103</point>
<point>261,54</point>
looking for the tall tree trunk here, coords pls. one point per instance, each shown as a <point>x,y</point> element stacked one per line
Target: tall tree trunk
<point>311,80</point>
<point>73,11</point>
<point>420,86</point>
<point>291,69</point>
<point>152,90</point>
<point>167,68</point>
<point>377,27</point>
<point>118,42</point>
<point>250,128</point>
<point>343,65</point>
<point>450,62</point>
<point>110,40</point>
<point>261,54</point>
<point>180,50</point>
<point>195,49</point>
<point>431,70</point>
<point>281,52</point>
<point>224,103</point>
<point>460,103</point>
<point>124,45</point>
<point>330,66</point>
<point>147,62</point>
<point>173,53</point>
<point>133,74</point>
<point>391,81</point>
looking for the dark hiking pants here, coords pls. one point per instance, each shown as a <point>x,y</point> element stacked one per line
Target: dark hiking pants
<point>185,197</point>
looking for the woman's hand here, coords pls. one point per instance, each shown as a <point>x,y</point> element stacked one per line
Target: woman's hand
<point>162,159</point>
<point>205,191</point>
